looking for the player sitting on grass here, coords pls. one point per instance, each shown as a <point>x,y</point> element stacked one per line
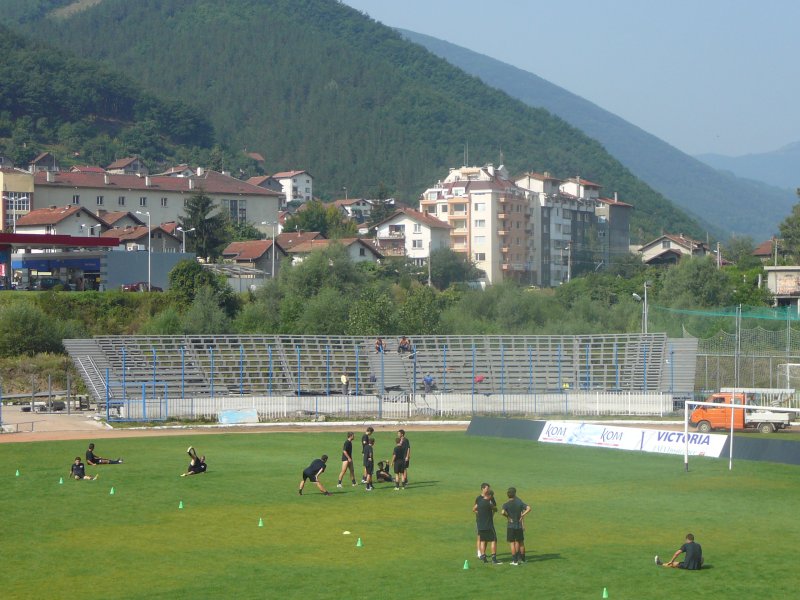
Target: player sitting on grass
<point>383,474</point>
<point>78,471</point>
<point>312,473</point>
<point>197,465</point>
<point>693,559</point>
<point>93,459</point>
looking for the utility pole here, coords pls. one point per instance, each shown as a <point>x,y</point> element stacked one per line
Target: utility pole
<point>429,265</point>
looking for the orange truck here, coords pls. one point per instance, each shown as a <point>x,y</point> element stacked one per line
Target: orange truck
<point>706,418</point>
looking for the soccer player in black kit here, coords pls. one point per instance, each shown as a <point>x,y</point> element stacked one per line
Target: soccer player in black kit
<point>312,472</point>
<point>347,459</point>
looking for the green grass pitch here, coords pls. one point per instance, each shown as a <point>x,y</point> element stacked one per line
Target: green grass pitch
<point>598,518</point>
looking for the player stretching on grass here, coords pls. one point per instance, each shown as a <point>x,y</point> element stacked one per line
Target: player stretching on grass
<point>78,471</point>
<point>93,459</point>
<point>347,459</point>
<point>312,473</point>
<point>693,559</point>
<point>197,465</point>
<point>515,510</point>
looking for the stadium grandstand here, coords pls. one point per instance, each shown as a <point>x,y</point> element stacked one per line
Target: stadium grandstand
<point>116,368</point>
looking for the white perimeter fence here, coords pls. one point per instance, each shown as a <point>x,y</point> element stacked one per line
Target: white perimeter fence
<point>396,407</point>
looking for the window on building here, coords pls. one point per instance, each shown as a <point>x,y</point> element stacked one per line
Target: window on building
<point>362,251</point>
<point>416,244</point>
<point>480,256</point>
<point>480,223</point>
<point>99,201</point>
<point>665,243</point>
<point>479,206</point>
<point>143,201</point>
<point>237,208</point>
<point>121,201</point>
<point>164,203</point>
<point>443,208</point>
<point>76,199</point>
<point>417,228</point>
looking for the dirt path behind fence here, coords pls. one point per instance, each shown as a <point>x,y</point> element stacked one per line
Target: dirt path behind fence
<point>40,427</point>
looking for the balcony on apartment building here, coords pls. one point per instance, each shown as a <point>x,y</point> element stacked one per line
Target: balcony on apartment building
<point>507,266</point>
<point>393,250</point>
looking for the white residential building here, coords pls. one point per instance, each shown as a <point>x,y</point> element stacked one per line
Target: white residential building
<point>297,185</point>
<point>489,218</point>
<point>412,234</point>
<point>163,196</point>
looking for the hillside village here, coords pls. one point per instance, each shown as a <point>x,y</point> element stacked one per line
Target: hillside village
<point>533,228</point>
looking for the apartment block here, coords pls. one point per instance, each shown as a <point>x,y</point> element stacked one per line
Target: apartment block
<point>489,219</point>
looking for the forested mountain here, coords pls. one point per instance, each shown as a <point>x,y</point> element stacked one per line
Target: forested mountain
<point>780,167</point>
<point>736,205</point>
<point>84,111</point>
<point>314,84</point>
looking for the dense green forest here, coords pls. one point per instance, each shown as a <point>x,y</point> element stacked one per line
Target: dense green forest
<point>87,113</point>
<point>314,84</point>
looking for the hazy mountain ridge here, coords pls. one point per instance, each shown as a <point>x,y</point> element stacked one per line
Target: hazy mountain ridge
<point>714,197</point>
<point>315,84</point>
<point>780,167</point>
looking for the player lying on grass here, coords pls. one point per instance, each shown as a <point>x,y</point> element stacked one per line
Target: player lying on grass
<point>93,459</point>
<point>78,471</point>
<point>693,559</point>
<point>197,465</point>
<point>312,472</point>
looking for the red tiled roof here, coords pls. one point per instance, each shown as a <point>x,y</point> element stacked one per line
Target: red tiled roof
<point>289,239</point>
<point>210,182</point>
<point>249,250</point>
<point>112,216</point>
<point>121,163</point>
<point>87,169</point>
<point>613,202</point>
<point>170,227</point>
<point>683,240</point>
<point>311,245</point>
<point>765,248</point>
<point>348,201</point>
<point>584,182</point>
<point>418,216</point>
<point>132,233</point>
<point>258,180</point>
<point>540,176</point>
<point>285,174</point>
<point>52,215</point>
<point>41,156</point>
<point>176,169</point>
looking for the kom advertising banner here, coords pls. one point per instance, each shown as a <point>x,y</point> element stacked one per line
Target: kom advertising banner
<point>630,438</point>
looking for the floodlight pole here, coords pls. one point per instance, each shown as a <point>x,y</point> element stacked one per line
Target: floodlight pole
<point>149,248</point>
<point>274,224</point>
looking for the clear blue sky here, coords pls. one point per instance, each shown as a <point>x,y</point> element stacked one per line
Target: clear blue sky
<point>715,76</point>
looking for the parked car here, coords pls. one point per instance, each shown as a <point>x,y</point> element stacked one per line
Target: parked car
<point>49,283</point>
<point>140,286</point>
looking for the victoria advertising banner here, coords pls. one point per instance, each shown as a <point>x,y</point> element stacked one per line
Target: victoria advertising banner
<point>630,438</point>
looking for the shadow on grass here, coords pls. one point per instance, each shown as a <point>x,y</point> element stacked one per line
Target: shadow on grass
<point>541,557</point>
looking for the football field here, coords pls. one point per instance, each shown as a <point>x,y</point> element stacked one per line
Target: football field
<point>598,518</point>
